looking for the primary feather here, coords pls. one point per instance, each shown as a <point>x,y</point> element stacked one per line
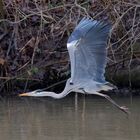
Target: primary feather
<point>87,50</point>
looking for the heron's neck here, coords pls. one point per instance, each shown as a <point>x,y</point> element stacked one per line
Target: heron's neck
<point>53,94</point>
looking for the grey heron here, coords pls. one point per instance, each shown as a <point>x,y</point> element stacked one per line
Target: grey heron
<point>87,50</point>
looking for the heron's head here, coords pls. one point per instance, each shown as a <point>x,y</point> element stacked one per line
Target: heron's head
<point>35,93</point>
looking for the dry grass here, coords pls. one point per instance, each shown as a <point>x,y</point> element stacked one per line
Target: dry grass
<point>33,35</point>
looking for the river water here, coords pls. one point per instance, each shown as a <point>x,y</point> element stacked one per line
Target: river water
<point>71,118</point>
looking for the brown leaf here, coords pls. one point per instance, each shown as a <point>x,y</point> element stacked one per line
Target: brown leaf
<point>2,61</point>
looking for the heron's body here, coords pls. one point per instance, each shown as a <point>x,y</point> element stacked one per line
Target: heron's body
<point>84,87</point>
<point>88,53</point>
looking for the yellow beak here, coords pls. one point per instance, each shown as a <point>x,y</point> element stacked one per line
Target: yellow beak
<point>23,94</point>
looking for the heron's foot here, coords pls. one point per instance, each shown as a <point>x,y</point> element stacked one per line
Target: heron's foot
<point>125,109</point>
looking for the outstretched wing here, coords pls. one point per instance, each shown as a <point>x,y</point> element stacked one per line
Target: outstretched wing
<point>87,50</point>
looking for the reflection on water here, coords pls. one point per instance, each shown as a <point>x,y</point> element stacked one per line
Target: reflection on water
<point>85,118</point>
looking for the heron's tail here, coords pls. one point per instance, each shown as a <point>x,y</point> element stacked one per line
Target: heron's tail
<point>108,86</point>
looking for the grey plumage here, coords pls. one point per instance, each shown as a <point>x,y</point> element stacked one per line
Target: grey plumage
<point>90,51</point>
<point>87,51</point>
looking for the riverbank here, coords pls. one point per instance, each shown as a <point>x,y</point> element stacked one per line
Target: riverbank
<point>33,37</point>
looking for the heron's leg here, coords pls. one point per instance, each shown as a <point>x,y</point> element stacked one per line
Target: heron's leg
<point>84,104</point>
<point>76,101</point>
<point>122,108</point>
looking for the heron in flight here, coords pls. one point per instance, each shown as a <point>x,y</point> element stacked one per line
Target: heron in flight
<point>88,53</point>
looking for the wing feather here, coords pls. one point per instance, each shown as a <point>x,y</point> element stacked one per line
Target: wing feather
<point>90,53</point>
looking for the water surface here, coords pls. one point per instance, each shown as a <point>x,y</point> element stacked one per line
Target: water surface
<point>71,118</point>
